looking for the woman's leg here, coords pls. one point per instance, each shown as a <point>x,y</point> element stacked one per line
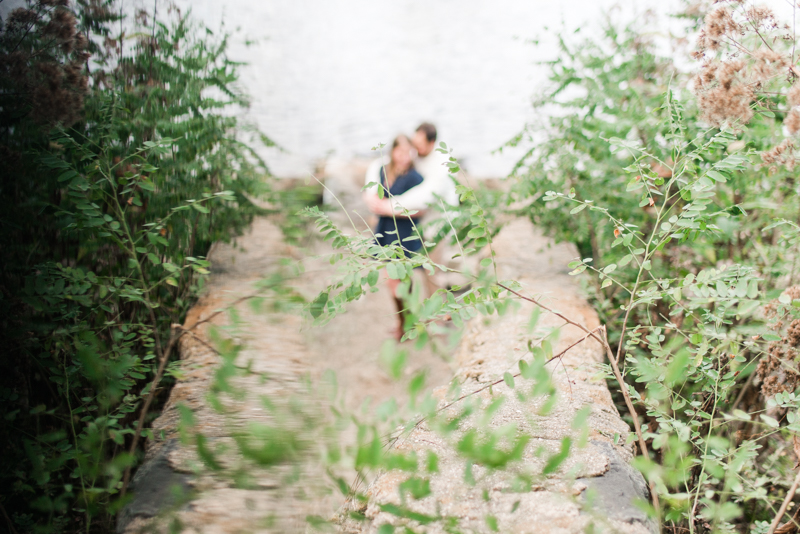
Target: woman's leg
<point>392,285</point>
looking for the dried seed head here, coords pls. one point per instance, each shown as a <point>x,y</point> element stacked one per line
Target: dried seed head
<point>792,121</point>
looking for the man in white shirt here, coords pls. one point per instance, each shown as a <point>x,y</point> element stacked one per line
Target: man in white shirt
<point>436,182</point>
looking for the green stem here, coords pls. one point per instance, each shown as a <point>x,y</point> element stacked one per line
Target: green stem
<point>75,440</point>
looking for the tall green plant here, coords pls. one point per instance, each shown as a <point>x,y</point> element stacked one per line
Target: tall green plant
<point>675,220</point>
<point>110,218</point>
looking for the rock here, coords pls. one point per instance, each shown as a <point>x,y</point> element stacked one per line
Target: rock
<point>155,488</point>
<point>617,490</point>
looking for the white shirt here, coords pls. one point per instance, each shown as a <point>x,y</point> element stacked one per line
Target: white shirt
<point>436,183</point>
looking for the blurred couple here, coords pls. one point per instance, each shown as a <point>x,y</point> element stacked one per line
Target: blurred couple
<point>415,180</point>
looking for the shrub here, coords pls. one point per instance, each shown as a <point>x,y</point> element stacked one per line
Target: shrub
<point>113,192</point>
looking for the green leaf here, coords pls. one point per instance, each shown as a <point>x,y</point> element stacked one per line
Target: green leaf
<point>318,305</point>
<point>634,185</point>
<point>406,513</point>
<point>476,232</point>
<point>722,289</point>
<point>770,421</point>
<point>578,208</point>
<point>717,176</point>
<point>705,183</point>
<point>394,272</point>
<point>547,347</point>
<point>372,278</point>
<point>557,459</point>
<point>752,289</point>
<point>741,288</point>
<point>147,185</point>
<point>508,379</point>
<point>579,270</point>
<point>67,175</point>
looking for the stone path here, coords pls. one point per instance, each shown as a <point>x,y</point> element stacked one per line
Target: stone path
<point>281,359</point>
<point>557,503</point>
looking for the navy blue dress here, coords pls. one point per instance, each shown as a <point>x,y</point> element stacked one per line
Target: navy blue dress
<point>404,228</point>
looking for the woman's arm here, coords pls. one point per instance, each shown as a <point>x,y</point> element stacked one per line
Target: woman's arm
<point>383,207</point>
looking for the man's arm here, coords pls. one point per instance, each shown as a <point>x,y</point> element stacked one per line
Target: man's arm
<point>397,205</point>
<point>383,206</point>
<point>415,199</point>
<point>436,184</point>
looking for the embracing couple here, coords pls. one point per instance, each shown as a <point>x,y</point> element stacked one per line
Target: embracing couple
<point>414,179</point>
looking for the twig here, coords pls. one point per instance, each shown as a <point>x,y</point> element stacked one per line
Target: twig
<point>566,373</point>
<point>785,505</point>
<point>750,380</point>
<point>791,526</point>
<point>624,390</point>
<point>162,365</point>
<point>622,386</point>
<point>496,382</point>
<point>559,355</point>
<point>8,519</point>
<point>226,308</point>
<point>550,310</point>
<point>199,339</point>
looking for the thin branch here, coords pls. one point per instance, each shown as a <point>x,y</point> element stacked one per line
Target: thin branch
<point>8,519</point>
<point>621,381</point>
<point>226,308</point>
<point>496,382</point>
<point>162,364</point>
<point>785,505</point>
<point>557,356</point>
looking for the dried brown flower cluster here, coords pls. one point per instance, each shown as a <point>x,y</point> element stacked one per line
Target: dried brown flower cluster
<point>771,308</point>
<point>723,95</point>
<point>741,54</point>
<point>778,371</point>
<point>783,154</point>
<point>727,84</point>
<point>42,61</point>
<point>718,23</point>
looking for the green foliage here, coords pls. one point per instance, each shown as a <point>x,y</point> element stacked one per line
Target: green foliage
<point>106,222</point>
<point>111,204</point>
<point>683,233</point>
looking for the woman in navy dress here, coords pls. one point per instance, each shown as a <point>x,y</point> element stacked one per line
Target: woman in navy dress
<point>396,178</point>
